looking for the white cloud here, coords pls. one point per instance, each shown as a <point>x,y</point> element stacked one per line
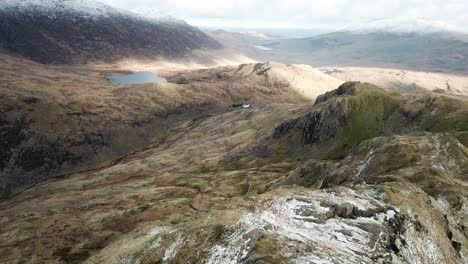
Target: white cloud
<point>303,13</point>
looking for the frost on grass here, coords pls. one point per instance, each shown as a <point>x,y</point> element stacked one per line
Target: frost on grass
<point>171,251</point>
<point>127,260</point>
<point>158,232</point>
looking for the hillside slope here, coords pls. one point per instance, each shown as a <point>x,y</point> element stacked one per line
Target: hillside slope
<point>58,119</point>
<point>220,190</point>
<point>304,79</point>
<point>79,31</point>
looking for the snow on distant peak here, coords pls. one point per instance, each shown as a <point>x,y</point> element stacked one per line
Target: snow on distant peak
<point>85,7</point>
<point>421,26</point>
<point>89,7</point>
<point>155,14</point>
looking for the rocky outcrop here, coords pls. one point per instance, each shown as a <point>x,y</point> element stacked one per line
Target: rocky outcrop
<point>349,88</point>
<point>431,166</point>
<point>341,119</point>
<point>338,225</point>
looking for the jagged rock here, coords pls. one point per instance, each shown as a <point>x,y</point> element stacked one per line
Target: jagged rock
<point>345,210</point>
<point>348,88</point>
<point>323,125</point>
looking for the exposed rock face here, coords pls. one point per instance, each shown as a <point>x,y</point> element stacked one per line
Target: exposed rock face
<point>311,227</point>
<point>348,88</point>
<point>319,125</point>
<point>338,121</point>
<point>337,225</point>
<point>77,31</point>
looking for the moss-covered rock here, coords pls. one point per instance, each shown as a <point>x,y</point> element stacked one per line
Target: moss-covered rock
<point>342,119</point>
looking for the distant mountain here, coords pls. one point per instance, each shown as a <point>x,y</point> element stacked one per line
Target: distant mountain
<point>77,31</point>
<point>403,25</point>
<point>420,46</point>
<point>249,43</point>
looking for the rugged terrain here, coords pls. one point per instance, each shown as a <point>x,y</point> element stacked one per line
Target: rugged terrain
<point>361,175</point>
<point>81,31</point>
<point>57,119</point>
<point>304,79</point>
<point>257,163</point>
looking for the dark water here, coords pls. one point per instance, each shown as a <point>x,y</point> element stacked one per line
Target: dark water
<point>136,78</point>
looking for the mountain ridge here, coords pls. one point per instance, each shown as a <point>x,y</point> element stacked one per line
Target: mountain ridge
<point>437,51</point>
<point>70,32</point>
<point>404,25</point>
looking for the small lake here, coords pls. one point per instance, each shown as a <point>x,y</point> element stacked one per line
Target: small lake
<point>136,78</point>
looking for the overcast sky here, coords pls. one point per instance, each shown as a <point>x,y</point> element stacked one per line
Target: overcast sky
<point>329,14</point>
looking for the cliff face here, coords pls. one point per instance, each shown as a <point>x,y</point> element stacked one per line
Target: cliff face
<point>77,31</point>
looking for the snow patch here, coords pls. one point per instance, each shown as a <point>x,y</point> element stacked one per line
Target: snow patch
<point>90,7</point>
<point>86,8</point>
<point>158,232</point>
<point>420,247</point>
<point>128,260</point>
<point>286,218</point>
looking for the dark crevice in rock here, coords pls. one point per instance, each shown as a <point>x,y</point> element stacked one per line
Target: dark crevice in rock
<point>396,225</point>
